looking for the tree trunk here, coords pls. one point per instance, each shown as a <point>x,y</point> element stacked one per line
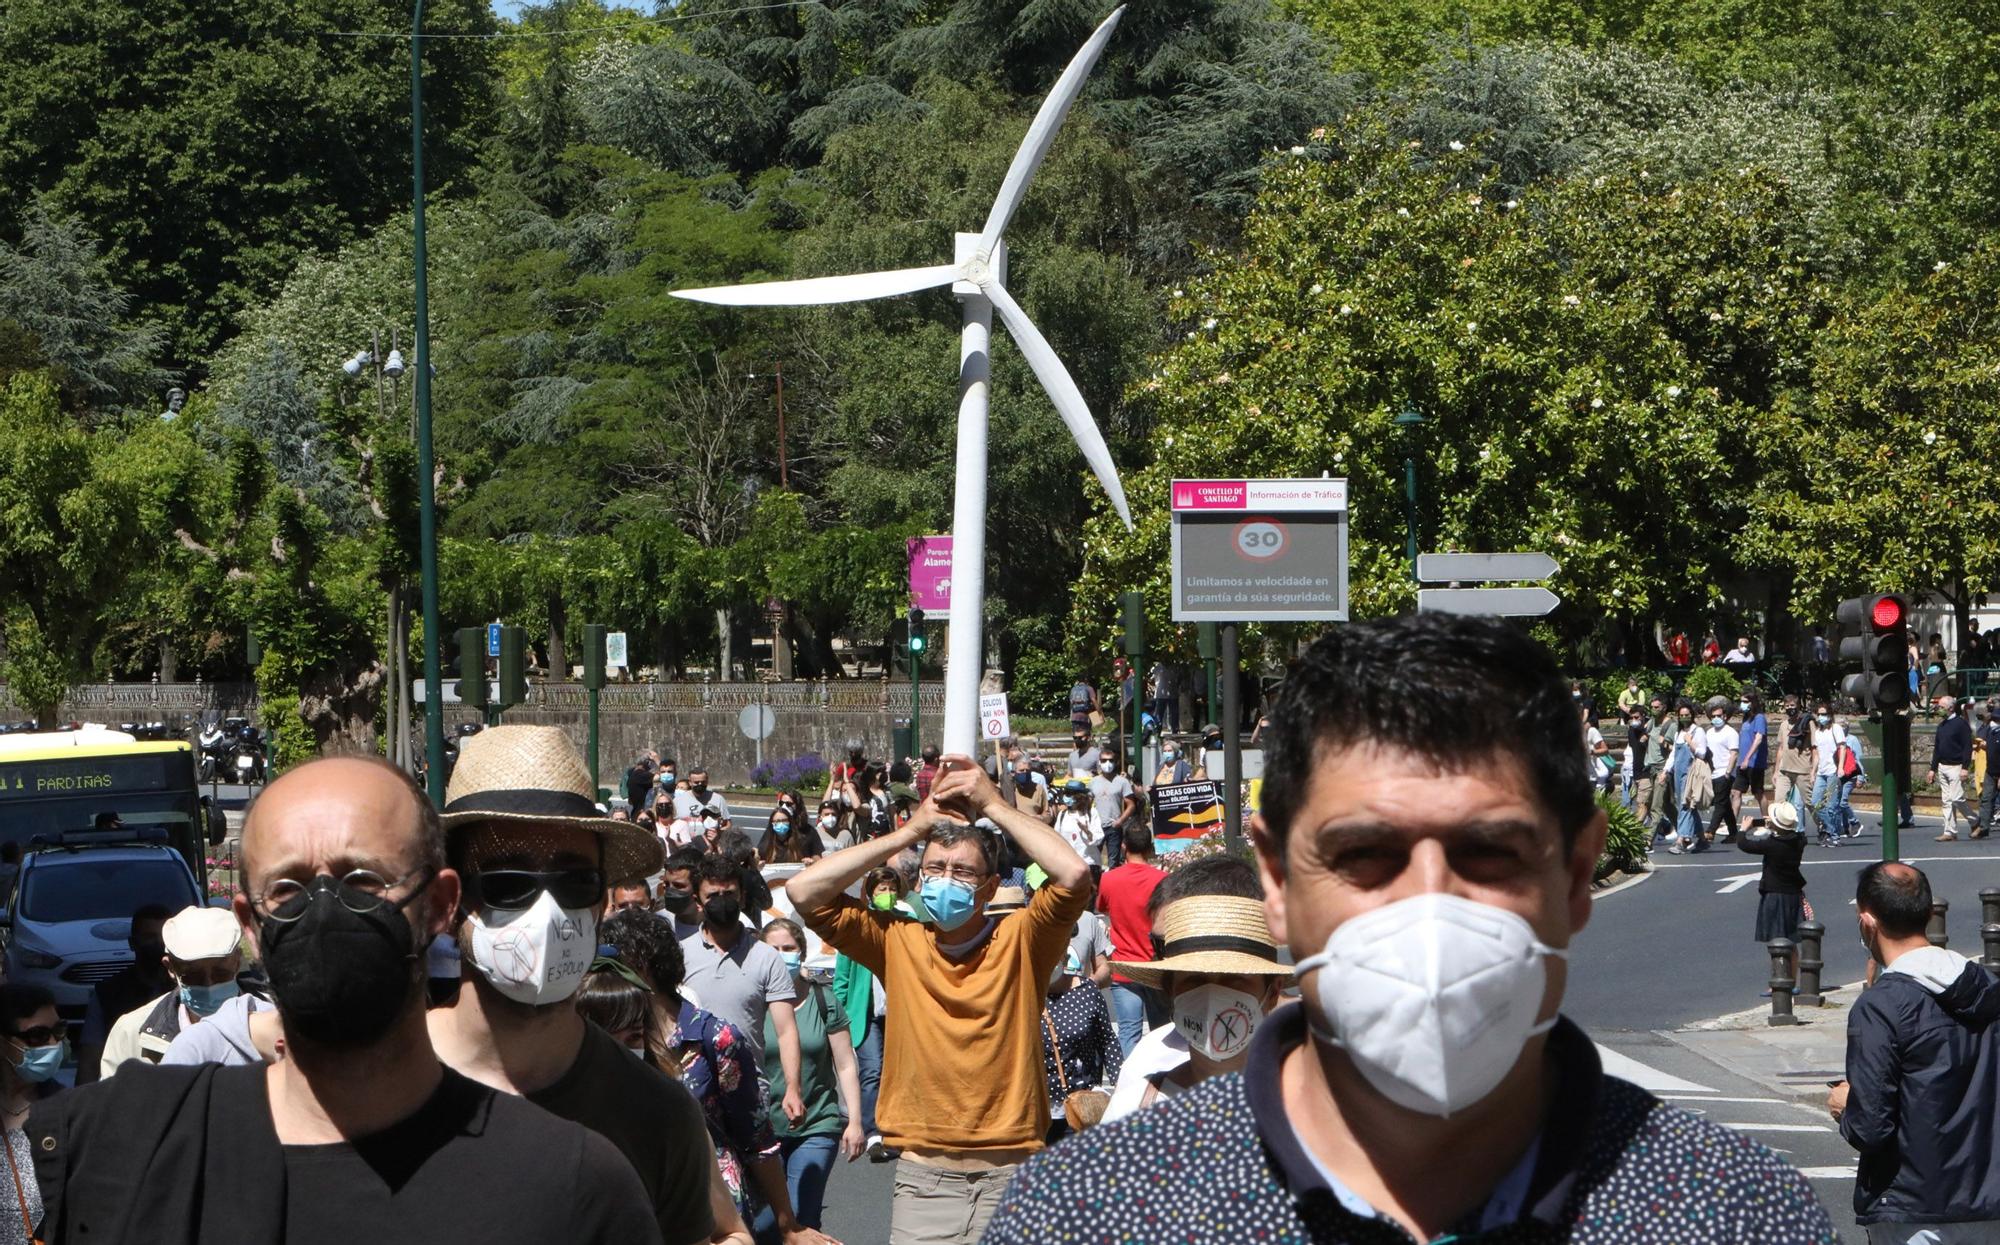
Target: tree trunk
<point>558,651</point>
<point>724,657</point>
<point>169,672</point>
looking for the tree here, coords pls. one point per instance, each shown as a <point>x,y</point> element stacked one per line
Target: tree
<point>213,143</point>
<point>60,311</point>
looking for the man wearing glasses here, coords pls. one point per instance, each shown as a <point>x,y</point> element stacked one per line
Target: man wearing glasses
<point>358,1132</point>
<point>536,858</point>
<point>963,1095</point>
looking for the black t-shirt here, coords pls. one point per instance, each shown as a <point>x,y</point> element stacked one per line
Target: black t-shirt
<point>471,1165</point>
<point>638,781</point>
<point>655,1123</point>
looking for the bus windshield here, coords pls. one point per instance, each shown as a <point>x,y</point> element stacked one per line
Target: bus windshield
<point>130,787</point>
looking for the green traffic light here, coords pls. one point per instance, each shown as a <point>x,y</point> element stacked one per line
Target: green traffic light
<point>916,644</point>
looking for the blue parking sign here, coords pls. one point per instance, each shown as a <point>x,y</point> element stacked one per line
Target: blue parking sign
<point>492,639</point>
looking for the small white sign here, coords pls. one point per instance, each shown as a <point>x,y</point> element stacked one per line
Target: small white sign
<point>614,650</point>
<point>993,724</point>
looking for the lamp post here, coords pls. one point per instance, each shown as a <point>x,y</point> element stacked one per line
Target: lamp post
<point>426,490</point>
<point>1408,420</point>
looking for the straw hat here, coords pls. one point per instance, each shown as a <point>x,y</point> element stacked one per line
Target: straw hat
<point>1784,817</point>
<point>1007,899</point>
<point>529,776</point>
<point>1222,934</point>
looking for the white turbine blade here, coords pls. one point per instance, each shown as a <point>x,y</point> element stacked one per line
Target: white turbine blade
<point>1042,134</point>
<point>826,289</point>
<point>1062,391</point>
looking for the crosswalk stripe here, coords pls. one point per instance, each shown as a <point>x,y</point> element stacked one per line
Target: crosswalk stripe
<point>1775,1128</point>
<point>1827,1173</point>
<point>1652,1080</point>
<point>1706,1098</point>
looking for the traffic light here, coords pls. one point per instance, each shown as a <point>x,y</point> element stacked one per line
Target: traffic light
<point>1132,606</point>
<point>1878,640</point>
<point>593,656</point>
<point>916,630</point>
<point>513,666</point>
<point>472,666</point>
<point>1207,644</point>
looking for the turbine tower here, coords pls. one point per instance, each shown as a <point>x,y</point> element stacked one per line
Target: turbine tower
<point>977,274</point>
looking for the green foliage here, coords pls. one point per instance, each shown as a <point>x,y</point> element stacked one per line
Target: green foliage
<point>212,143</point>
<point>292,741</point>
<point>1652,682</point>
<point>1625,839</point>
<point>1706,681</point>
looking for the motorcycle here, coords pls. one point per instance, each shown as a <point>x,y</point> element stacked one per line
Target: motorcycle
<point>211,746</point>
<point>247,759</point>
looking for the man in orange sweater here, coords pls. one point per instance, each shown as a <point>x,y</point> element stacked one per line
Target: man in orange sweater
<point>963,1095</point>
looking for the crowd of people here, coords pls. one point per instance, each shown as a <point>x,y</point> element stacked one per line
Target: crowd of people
<point>526,1017</point>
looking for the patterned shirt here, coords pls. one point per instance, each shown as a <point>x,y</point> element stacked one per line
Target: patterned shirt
<point>1221,1163</point>
<point>720,1070</point>
<point>1089,1043</point>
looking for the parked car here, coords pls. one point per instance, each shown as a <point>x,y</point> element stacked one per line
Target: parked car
<point>67,917</point>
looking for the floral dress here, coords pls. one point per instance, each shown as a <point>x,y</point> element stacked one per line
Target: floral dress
<point>719,1068</point>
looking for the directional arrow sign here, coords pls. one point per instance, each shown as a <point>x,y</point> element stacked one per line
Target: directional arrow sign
<point>1445,568</point>
<point>1505,602</point>
<point>1731,885</point>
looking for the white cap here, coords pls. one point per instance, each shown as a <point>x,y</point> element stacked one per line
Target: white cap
<point>200,934</point>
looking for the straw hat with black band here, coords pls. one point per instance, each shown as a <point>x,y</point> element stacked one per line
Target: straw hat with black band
<point>1222,935</point>
<point>532,777</point>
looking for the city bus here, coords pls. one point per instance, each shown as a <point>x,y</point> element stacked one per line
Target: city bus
<point>60,786</point>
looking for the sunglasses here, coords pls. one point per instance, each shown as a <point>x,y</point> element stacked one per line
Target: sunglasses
<point>42,1035</point>
<point>511,890</point>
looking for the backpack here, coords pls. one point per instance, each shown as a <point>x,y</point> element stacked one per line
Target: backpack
<point>1846,757</point>
<point>1079,698</point>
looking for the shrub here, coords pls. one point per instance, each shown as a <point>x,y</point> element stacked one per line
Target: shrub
<point>1651,683</point>
<point>1214,843</point>
<point>805,773</point>
<point>1706,681</point>
<point>1625,839</point>
<point>291,741</point>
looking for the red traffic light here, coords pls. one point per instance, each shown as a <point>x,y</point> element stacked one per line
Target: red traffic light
<point>1888,612</point>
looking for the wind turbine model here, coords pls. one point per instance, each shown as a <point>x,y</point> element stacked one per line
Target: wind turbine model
<point>976,276</point>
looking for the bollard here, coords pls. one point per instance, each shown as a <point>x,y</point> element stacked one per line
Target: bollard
<point>1781,983</point>
<point>1989,906</point>
<point>1810,933</point>
<point>1936,932</point>
<point>1990,935</point>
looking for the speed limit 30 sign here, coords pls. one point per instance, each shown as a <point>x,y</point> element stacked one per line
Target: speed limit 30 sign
<point>1260,550</point>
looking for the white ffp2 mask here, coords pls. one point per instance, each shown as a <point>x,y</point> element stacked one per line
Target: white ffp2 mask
<point>1432,997</point>
<point>1216,1020</point>
<point>537,955</point>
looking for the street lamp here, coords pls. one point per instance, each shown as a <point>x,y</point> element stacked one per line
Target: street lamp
<point>1408,419</point>
<point>426,487</point>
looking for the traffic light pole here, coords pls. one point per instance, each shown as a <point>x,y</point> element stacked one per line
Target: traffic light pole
<point>916,661</point>
<point>1895,773</point>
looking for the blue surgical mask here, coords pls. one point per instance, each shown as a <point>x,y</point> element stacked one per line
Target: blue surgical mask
<point>793,961</point>
<point>781,828</point>
<point>949,903</point>
<point>207,1000</point>
<point>39,1063</point>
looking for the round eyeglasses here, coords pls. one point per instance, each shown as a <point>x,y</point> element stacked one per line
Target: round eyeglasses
<point>360,891</point>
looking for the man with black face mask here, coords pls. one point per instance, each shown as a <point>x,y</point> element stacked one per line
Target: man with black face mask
<point>700,801</point>
<point>677,903</point>
<point>536,858</point>
<point>740,979</point>
<point>358,1132</point>
<point>145,978</point>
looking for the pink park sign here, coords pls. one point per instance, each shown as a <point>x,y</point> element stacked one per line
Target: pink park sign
<point>930,573</point>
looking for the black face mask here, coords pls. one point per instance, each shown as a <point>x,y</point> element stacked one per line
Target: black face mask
<point>700,789</point>
<point>341,978</point>
<point>721,911</point>
<point>1025,782</point>
<point>676,899</point>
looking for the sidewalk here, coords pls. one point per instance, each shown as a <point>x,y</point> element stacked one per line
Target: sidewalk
<point>1794,1060</point>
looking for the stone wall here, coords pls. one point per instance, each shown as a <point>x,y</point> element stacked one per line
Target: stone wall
<point>696,723</point>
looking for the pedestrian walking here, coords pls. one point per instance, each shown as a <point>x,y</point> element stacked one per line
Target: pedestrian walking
<point>963,1096</point>
<point>1795,755</point>
<point>1723,742</point>
<point>830,1085</point>
<point>1426,841</point>
<point>1218,970</point>
<point>145,978</point>
<point>1832,757</point>
<point>1648,791</point>
<point>1596,753</point>
<point>1754,756</point>
<point>1951,755</point>
<point>536,862</point>
<point>1781,887</point>
<point>204,955</point>
<point>1116,803</point>
<point>1988,739</point>
<point>345,883</point>
<point>1923,1074</point>
<point>1080,1052</point>
<point>740,979</point>
<point>36,1043</point>
<point>1124,897</point>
